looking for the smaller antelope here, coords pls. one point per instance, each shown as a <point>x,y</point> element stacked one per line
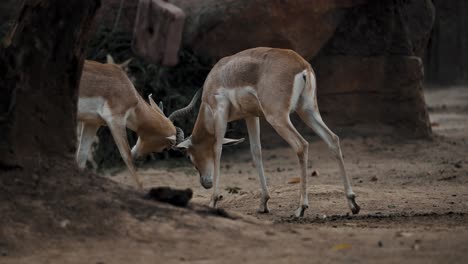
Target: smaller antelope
<point>259,82</point>
<point>108,97</point>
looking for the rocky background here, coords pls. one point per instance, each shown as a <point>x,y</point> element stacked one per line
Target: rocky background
<point>369,56</point>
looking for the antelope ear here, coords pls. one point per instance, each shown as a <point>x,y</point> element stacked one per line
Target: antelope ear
<point>161,106</point>
<point>154,105</point>
<point>232,142</point>
<point>184,144</point>
<point>173,138</point>
<point>110,60</point>
<point>125,64</point>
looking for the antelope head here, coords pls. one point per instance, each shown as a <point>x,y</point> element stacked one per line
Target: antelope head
<point>200,146</point>
<point>158,133</point>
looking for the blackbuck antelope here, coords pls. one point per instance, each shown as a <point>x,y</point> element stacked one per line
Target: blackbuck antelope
<point>259,82</point>
<point>108,97</point>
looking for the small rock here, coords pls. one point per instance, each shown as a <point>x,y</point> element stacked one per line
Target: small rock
<point>232,190</point>
<point>380,244</point>
<point>314,173</point>
<point>417,244</point>
<point>404,234</point>
<point>172,196</point>
<point>374,178</point>
<point>64,223</point>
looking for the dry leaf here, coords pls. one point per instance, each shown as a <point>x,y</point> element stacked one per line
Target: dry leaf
<point>342,246</point>
<point>294,180</point>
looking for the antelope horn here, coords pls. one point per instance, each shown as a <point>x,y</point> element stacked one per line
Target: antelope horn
<point>179,135</point>
<point>184,111</point>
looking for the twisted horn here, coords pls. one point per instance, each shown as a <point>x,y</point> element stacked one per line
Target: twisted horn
<point>179,135</point>
<point>184,111</point>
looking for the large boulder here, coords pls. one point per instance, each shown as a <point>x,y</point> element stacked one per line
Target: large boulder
<point>365,53</point>
<point>217,28</point>
<point>380,92</point>
<point>388,27</point>
<point>370,73</point>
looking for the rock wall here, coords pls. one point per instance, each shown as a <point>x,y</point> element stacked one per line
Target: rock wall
<point>366,53</point>
<point>216,28</point>
<point>370,71</point>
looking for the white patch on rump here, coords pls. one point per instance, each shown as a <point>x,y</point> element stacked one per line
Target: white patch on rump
<point>298,88</point>
<point>313,82</point>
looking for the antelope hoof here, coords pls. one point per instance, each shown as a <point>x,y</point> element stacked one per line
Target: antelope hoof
<point>300,211</point>
<point>263,208</point>
<point>355,208</point>
<point>214,201</point>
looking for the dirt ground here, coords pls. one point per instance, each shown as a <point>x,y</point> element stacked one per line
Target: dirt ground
<point>413,195</point>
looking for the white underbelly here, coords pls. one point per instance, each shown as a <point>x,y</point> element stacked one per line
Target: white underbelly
<point>243,102</point>
<point>91,109</point>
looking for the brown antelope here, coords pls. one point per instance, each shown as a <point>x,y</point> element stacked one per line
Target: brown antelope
<point>108,97</point>
<point>259,82</point>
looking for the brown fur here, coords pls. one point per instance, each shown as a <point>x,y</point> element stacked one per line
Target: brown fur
<point>123,108</point>
<point>260,82</point>
<point>111,83</point>
<point>261,68</point>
